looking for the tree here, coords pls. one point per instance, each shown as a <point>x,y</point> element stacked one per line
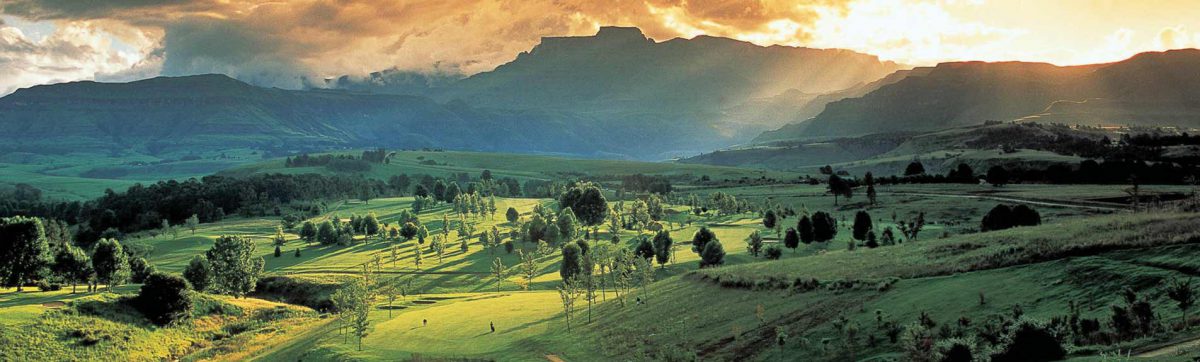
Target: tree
<point>839,187</point>
<point>417,256</point>
<point>586,201</point>
<point>370,224</point>
<point>408,231</point>
<point>914,168</point>
<point>199,273</point>
<point>568,292</point>
<point>645,249</point>
<point>353,302</point>
<point>774,252</point>
<point>110,263</point>
<point>512,215</point>
<point>806,230</point>
<point>571,254</point>
<point>327,233</point>
<point>235,266</point>
<point>164,299</point>
<point>769,219</point>
<point>1184,296</point>
<point>308,231</point>
<point>862,225</point>
<point>529,267</point>
<point>871,241</point>
<point>139,269</point>
<point>498,272</point>
<point>662,247</point>
<point>997,176</point>
<point>568,225</point>
<point>754,243</point>
<point>869,179</point>
<point>1025,216</point>
<point>701,238</point>
<point>824,227</point>
<point>452,192</point>
<point>791,239</point>
<point>72,265</point>
<point>999,218</point>
<point>192,222</point>
<point>713,254</point>
<point>439,191</point>
<point>24,250</point>
<point>963,173</point>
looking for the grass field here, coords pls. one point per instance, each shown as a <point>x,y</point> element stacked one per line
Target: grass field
<point>1080,253</point>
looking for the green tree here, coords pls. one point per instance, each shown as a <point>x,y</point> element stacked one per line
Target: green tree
<point>498,272</point>
<point>839,187</point>
<point>235,266</point>
<point>713,254</point>
<point>769,219</point>
<point>24,250</point>
<point>754,243</point>
<point>164,299</point>
<point>645,249</point>
<point>571,254</point>
<point>586,201</point>
<point>370,224</point>
<point>512,215</point>
<point>862,225</point>
<point>327,233</point>
<point>353,302</point>
<point>663,247</point>
<point>529,267</point>
<point>701,238</point>
<point>1184,296</point>
<point>824,227</point>
<point>110,263</point>
<point>791,239</point>
<point>806,230</point>
<point>408,231</point>
<point>568,292</point>
<point>72,265</point>
<point>192,222</point>
<point>199,273</point>
<point>308,231</point>
<point>568,226</point>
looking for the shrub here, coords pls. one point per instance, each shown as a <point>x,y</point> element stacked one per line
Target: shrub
<point>774,252</point>
<point>954,350</point>
<point>1030,341</point>
<point>164,298</point>
<point>45,286</point>
<point>713,254</point>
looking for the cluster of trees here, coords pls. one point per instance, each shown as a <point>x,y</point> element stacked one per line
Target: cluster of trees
<point>643,183</point>
<point>722,203</point>
<point>1087,171</point>
<point>1003,217</point>
<point>27,256</point>
<point>336,231</point>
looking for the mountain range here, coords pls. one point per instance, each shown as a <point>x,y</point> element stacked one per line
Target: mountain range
<point>1149,89</point>
<point>616,94</point>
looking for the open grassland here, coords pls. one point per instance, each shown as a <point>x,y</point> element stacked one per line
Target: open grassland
<point>103,326</point>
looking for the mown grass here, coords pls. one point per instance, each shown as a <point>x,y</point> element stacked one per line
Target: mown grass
<point>933,257</point>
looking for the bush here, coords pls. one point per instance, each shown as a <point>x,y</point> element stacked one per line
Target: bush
<point>774,252</point>
<point>713,254</point>
<point>954,350</point>
<point>45,286</point>
<point>164,298</point>
<point>1030,341</point>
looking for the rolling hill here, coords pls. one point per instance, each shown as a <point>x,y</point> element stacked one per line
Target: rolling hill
<point>1156,88</point>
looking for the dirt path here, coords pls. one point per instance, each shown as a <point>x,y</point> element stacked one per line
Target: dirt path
<point>553,358</point>
<point>1172,349</point>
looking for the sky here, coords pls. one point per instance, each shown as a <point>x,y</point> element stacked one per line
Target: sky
<point>291,43</point>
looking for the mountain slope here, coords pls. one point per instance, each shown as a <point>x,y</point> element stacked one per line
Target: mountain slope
<point>214,112</point>
<point>1148,89</point>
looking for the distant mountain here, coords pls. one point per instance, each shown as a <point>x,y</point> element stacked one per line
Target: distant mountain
<point>732,89</point>
<point>1160,88</point>
<point>213,112</point>
<point>616,94</point>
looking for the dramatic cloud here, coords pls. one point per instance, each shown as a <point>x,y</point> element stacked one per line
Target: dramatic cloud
<point>79,50</point>
<point>287,43</point>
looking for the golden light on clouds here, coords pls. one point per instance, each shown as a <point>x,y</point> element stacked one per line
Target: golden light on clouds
<point>283,42</point>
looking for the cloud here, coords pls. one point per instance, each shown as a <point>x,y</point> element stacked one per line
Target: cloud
<point>80,50</point>
<point>280,43</point>
<point>1173,38</point>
